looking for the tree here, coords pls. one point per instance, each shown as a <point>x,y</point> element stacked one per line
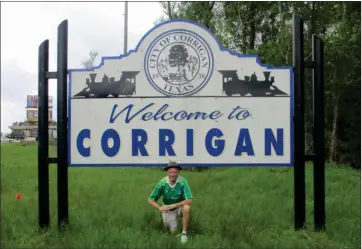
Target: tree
<point>89,63</point>
<point>16,134</point>
<point>178,56</point>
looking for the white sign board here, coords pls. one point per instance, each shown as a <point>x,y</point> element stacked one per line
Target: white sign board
<point>180,96</point>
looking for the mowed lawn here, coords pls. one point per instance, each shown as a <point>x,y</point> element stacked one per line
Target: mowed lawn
<point>233,207</point>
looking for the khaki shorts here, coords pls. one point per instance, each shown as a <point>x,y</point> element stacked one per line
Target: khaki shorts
<point>170,218</point>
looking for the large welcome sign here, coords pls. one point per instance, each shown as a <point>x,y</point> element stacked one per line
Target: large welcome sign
<point>180,96</point>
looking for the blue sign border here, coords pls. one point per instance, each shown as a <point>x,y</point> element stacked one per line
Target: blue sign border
<point>290,68</point>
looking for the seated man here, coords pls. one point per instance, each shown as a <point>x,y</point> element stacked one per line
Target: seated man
<point>177,199</point>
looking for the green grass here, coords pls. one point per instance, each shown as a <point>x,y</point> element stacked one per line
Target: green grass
<point>233,207</point>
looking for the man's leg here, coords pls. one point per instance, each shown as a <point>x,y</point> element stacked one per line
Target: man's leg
<point>170,220</point>
<point>185,212</point>
<point>164,220</point>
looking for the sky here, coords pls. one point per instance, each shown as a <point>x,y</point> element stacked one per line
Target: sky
<point>92,26</point>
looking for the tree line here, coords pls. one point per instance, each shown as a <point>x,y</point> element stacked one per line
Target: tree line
<point>265,28</point>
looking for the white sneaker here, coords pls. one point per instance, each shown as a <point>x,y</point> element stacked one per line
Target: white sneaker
<point>184,238</point>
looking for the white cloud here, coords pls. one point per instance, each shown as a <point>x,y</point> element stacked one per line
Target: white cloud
<point>91,26</point>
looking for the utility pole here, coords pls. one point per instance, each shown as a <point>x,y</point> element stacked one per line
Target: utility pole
<point>169,10</point>
<point>125,26</point>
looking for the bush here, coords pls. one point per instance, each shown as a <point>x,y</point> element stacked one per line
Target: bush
<point>25,142</point>
<point>196,169</point>
<point>192,169</point>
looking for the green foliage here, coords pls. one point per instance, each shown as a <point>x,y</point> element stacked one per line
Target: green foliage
<point>196,169</point>
<point>26,143</point>
<point>233,207</point>
<point>265,28</point>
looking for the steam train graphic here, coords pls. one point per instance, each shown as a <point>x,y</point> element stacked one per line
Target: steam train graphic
<point>250,85</point>
<point>108,87</point>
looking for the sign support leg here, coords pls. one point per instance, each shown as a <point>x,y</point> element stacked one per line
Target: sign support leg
<point>43,136</point>
<point>62,124</point>
<point>318,136</point>
<point>299,137</point>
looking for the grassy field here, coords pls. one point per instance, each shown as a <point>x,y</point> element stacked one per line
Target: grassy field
<point>233,207</point>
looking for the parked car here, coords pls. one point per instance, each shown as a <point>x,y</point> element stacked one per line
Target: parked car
<point>7,140</point>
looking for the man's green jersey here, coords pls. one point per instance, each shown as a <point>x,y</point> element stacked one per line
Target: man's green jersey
<point>171,194</point>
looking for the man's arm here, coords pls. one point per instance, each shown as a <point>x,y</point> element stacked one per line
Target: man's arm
<point>154,204</point>
<point>155,195</point>
<point>179,204</point>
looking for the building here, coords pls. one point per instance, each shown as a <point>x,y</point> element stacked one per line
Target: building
<point>29,128</point>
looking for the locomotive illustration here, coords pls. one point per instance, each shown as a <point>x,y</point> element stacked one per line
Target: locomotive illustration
<point>250,85</point>
<point>126,85</point>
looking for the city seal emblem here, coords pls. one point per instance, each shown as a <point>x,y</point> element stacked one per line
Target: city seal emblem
<point>178,63</point>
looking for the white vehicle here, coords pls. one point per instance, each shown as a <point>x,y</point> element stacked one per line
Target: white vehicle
<point>6,140</point>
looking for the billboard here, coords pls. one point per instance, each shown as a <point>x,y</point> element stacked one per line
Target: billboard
<point>32,115</point>
<point>181,96</point>
<point>32,101</point>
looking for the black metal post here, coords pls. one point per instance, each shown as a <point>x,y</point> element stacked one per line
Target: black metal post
<point>62,126</point>
<point>43,136</point>
<point>299,137</point>
<point>318,136</point>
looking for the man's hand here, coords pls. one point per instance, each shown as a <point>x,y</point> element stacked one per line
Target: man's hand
<point>163,208</point>
<point>166,208</point>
